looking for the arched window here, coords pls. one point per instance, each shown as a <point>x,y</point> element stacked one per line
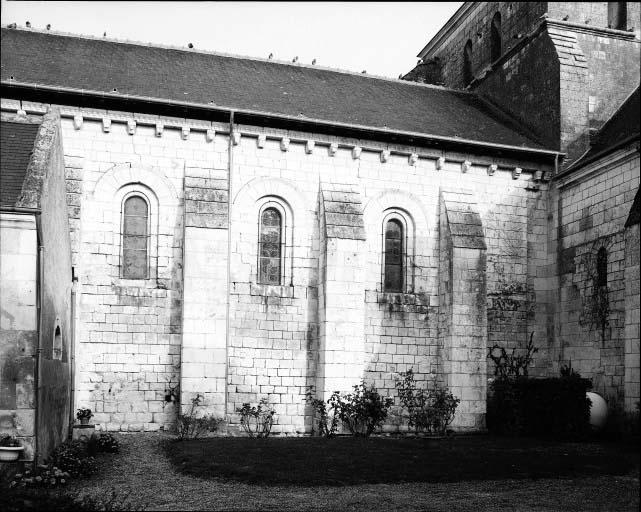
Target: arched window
<point>394,256</point>
<point>602,267</point>
<point>57,343</point>
<point>617,15</point>
<point>495,37</point>
<point>467,63</point>
<point>270,247</point>
<point>135,235</point>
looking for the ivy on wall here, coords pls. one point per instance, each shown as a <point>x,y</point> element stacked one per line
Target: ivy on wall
<point>595,313</point>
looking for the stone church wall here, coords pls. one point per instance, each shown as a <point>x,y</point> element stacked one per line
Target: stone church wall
<point>203,321</point>
<point>593,207</point>
<point>129,332</point>
<point>517,19</point>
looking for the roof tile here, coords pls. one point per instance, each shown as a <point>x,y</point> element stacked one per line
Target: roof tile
<point>267,87</point>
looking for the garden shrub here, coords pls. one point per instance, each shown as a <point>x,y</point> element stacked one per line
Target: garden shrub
<point>72,457</point>
<point>257,420</point>
<point>106,442</point>
<point>362,411</point>
<point>325,413</point>
<point>190,426</point>
<point>430,410</point>
<point>551,407</point>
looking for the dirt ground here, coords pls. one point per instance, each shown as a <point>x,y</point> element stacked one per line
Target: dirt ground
<point>140,477</point>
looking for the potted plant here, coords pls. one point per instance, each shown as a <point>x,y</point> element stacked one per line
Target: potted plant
<point>10,448</point>
<point>84,415</point>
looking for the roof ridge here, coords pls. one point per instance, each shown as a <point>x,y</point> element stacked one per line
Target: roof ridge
<point>236,56</point>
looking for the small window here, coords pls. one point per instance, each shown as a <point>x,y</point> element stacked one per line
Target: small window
<point>57,343</point>
<point>394,254</point>
<point>602,267</point>
<point>135,238</point>
<point>495,37</point>
<point>617,15</point>
<point>467,63</point>
<point>270,247</point>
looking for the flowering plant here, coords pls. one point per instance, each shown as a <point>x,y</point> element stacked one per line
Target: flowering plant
<point>84,413</point>
<point>8,441</point>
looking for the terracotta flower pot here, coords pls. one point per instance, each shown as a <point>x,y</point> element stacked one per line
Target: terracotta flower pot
<point>84,421</point>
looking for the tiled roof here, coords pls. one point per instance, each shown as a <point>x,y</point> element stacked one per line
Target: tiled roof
<point>622,127</point>
<point>245,84</point>
<point>16,146</point>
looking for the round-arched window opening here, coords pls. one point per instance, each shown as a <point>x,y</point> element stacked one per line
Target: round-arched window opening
<point>495,37</point>
<point>467,63</point>
<point>270,247</point>
<point>394,256</point>
<point>57,343</point>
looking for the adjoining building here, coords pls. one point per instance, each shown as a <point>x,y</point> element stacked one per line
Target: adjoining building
<point>36,283</point>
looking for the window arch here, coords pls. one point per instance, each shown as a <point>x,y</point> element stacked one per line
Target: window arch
<point>394,256</point>
<point>467,63</point>
<point>602,267</point>
<point>495,37</point>
<point>270,246</point>
<point>57,341</point>
<point>617,15</point>
<point>135,237</point>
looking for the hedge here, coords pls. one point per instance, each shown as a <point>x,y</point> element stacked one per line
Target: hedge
<point>552,407</point>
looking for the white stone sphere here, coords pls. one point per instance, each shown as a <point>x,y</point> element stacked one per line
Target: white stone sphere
<point>598,411</point>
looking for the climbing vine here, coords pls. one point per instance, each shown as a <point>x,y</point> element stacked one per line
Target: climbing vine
<point>596,304</point>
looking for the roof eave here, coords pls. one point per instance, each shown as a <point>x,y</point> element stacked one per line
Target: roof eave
<point>244,115</point>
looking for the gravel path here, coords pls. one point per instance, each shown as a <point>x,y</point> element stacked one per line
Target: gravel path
<point>143,479</point>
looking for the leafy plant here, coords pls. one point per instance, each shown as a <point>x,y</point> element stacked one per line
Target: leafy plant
<point>362,411</point>
<point>257,421</point>
<point>512,365</point>
<point>568,372</point>
<point>107,443</point>
<point>430,410</point>
<point>72,457</point>
<point>172,393</point>
<point>44,475</point>
<point>190,426</point>
<point>9,441</point>
<point>84,413</point>
<point>326,427</point>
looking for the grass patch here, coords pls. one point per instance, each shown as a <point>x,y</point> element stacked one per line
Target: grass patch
<point>349,461</point>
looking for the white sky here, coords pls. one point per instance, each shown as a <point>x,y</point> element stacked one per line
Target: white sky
<point>380,37</point>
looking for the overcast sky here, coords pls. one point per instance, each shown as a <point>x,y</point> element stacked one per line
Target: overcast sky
<point>382,38</point>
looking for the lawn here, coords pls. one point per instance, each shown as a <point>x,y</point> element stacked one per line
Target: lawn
<point>353,461</point>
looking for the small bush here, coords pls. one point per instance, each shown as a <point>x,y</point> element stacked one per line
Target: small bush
<point>257,421</point>
<point>107,443</point>
<point>362,411</point>
<point>552,407</point>
<point>323,411</point>
<point>72,457</point>
<point>430,410</point>
<point>190,426</point>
